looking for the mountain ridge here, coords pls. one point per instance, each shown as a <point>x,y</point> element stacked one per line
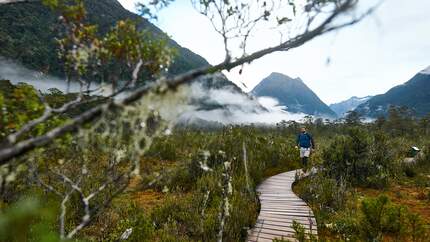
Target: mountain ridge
<point>414,94</point>
<point>341,108</point>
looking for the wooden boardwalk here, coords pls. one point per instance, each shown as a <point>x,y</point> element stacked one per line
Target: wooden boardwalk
<point>279,208</point>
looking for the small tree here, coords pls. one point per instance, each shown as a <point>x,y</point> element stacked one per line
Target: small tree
<point>353,118</point>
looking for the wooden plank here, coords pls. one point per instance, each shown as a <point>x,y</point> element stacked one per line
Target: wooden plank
<point>266,234</point>
<point>288,179</point>
<point>274,217</point>
<point>254,239</point>
<point>276,232</point>
<point>288,213</point>
<point>279,180</point>
<point>284,205</point>
<point>307,211</point>
<point>266,238</point>
<point>292,201</point>
<point>282,224</point>
<point>284,228</point>
<point>286,209</point>
<point>280,201</point>
<point>280,196</point>
<point>278,189</point>
<point>283,197</point>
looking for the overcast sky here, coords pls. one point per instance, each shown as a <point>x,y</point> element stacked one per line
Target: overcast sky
<point>369,58</point>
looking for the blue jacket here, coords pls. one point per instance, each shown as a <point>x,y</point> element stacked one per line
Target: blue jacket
<point>305,140</point>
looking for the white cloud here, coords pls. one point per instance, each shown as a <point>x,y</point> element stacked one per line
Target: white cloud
<point>16,73</point>
<point>235,108</point>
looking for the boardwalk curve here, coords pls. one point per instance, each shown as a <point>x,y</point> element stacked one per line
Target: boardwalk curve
<point>279,208</point>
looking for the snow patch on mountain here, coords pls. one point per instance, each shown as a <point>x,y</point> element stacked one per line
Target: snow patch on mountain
<point>426,71</point>
<point>343,107</point>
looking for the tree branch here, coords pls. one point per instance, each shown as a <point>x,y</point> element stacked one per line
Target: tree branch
<point>17,1</point>
<point>49,112</point>
<point>165,84</point>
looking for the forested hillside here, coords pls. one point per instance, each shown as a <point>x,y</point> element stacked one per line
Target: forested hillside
<point>28,32</point>
<point>413,95</point>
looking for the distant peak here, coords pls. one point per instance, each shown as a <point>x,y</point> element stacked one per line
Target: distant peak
<point>279,74</point>
<point>426,71</point>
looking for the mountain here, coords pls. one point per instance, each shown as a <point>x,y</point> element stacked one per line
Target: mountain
<point>414,94</point>
<point>341,108</point>
<point>27,34</point>
<point>293,94</point>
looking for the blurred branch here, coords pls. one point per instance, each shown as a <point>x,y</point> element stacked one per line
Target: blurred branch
<point>91,211</point>
<point>50,112</point>
<point>166,84</point>
<point>17,1</point>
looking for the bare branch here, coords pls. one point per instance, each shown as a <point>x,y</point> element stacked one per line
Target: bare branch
<point>63,212</point>
<point>49,112</point>
<point>17,1</point>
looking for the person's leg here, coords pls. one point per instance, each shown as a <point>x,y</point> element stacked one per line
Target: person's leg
<point>304,163</point>
<point>303,158</point>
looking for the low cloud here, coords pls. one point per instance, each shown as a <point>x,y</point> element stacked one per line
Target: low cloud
<point>16,73</point>
<point>226,105</point>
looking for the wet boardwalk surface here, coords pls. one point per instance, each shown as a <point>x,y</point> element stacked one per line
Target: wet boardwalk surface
<point>279,208</point>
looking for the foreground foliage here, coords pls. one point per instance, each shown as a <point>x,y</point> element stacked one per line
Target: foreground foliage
<point>196,183</point>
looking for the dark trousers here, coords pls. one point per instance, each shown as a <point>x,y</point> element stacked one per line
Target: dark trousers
<point>305,161</point>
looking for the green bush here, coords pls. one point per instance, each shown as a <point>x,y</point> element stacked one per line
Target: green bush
<point>361,158</point>
<point>380,216</point>
<point>27,220</point>
<point>135,219</point>
<point>347,226</point>
<point>373,211</point>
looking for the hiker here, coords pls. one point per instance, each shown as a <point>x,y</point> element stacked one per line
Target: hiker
<point>306,144</point>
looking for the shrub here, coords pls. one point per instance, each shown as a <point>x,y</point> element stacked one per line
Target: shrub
<point>347,156</point>
<point>380,216</point>
<point>27,220</point>
<point>346,225</point>
<point>179,213</point>
<point>371,224</point>
<point>135,219</point>
<point>417,230</point>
